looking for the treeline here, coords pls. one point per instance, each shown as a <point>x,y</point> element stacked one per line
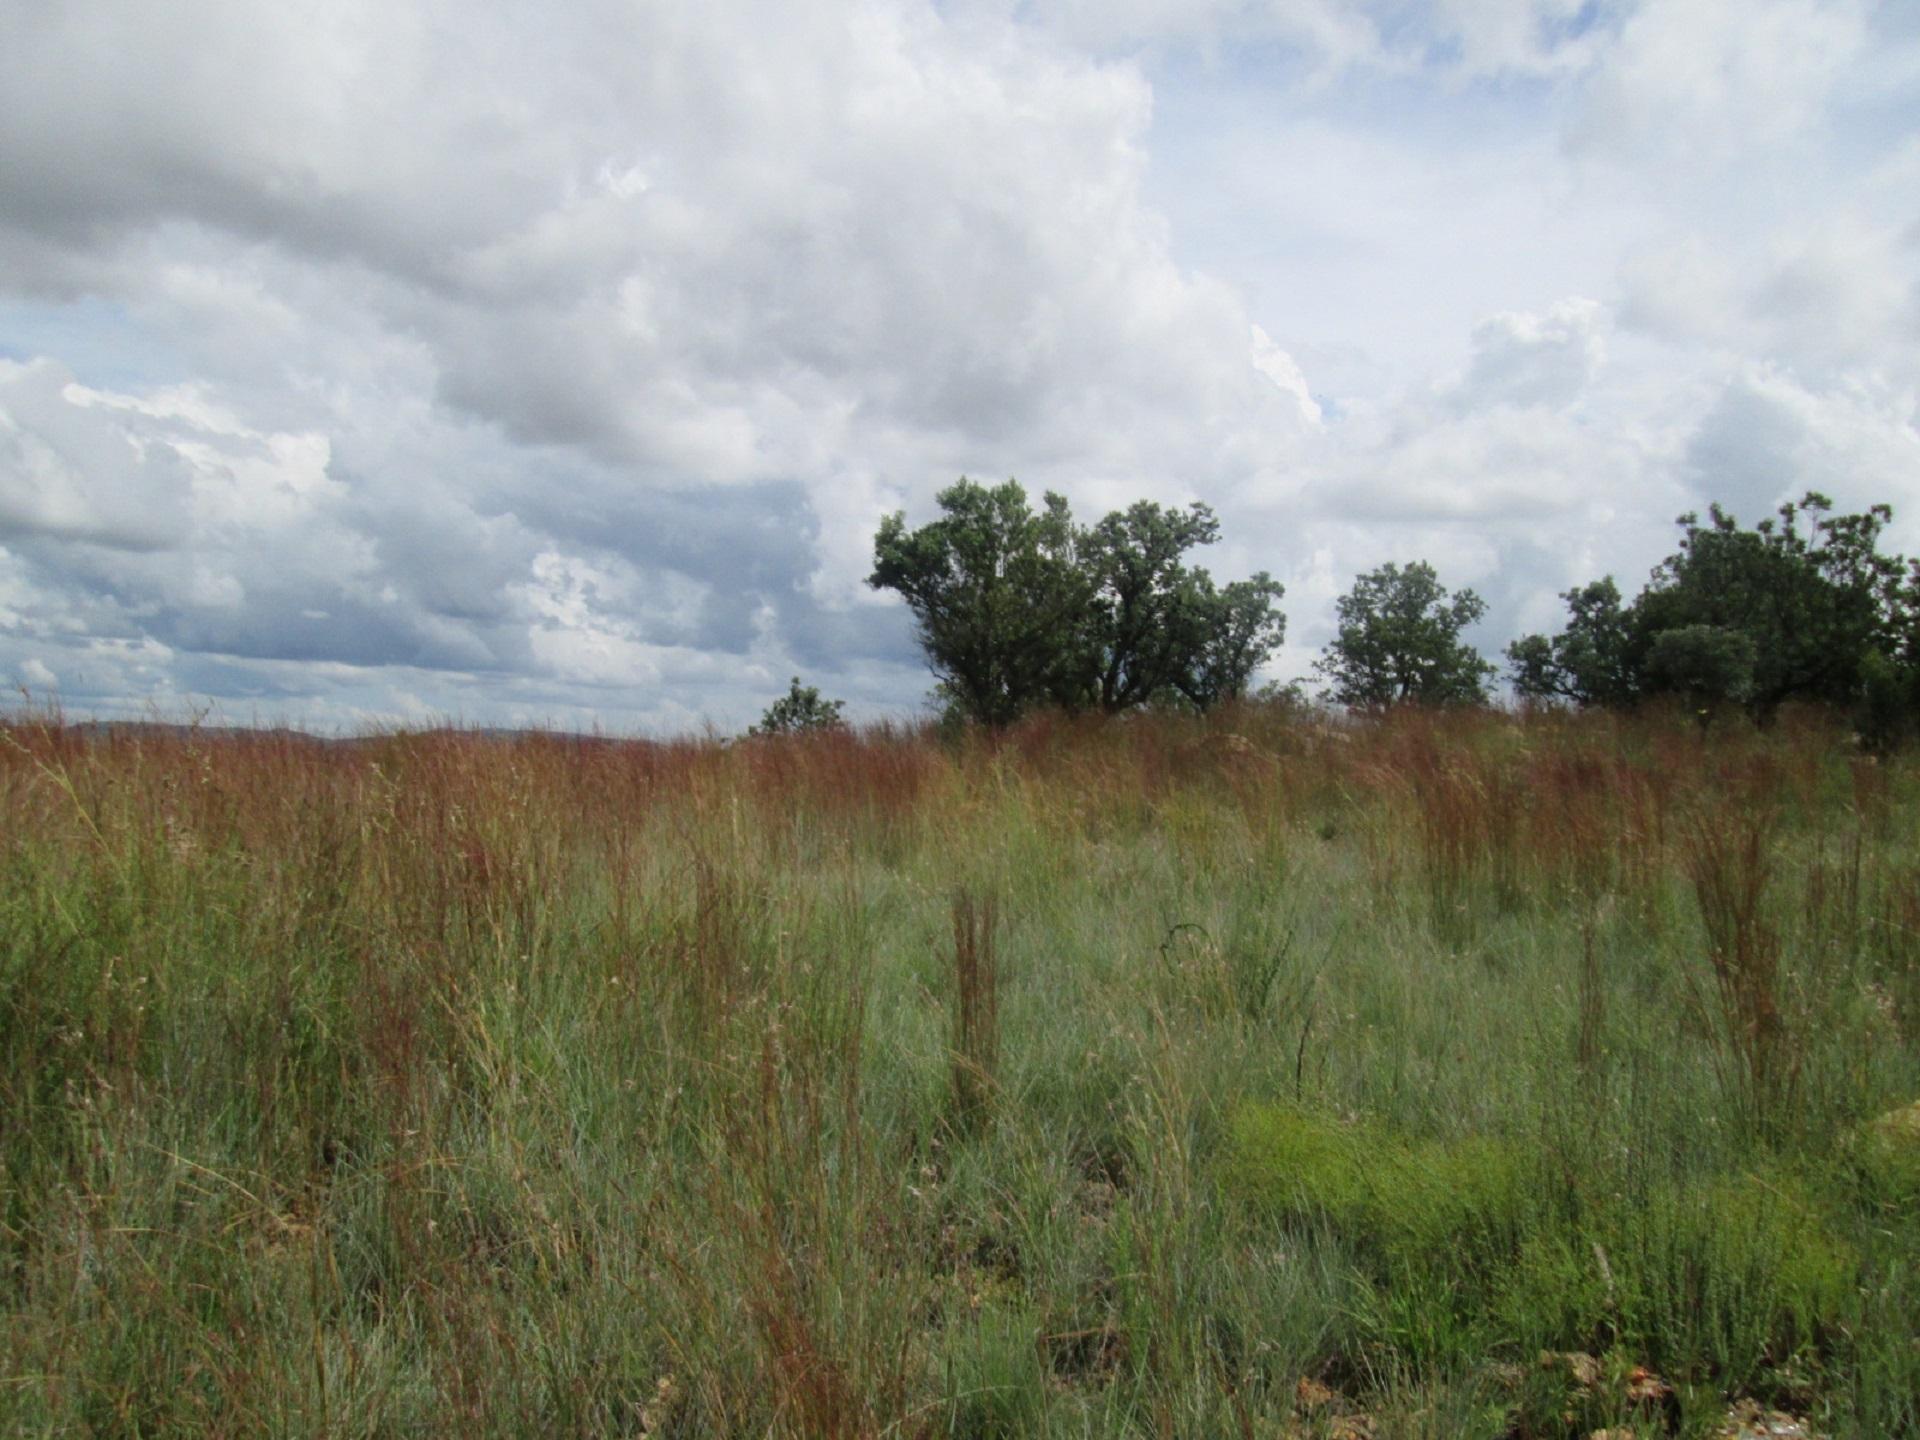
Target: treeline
<point>1019,609</point>
<point>1803,606</point>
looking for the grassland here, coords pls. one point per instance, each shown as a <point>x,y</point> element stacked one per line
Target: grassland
<point>1260,1078</point>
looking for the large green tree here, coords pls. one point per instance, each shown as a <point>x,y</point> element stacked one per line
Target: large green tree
<point>1146,612</point>
<point>1594,661</point>
<point>1822,614</point>
<point>1399,642</point>
<point>1017,609</point>
<point>995,595</point>
<point>1708,666</point>
<point>1240,626</point>
<point>1156,626</point>
<point>1813,599</point>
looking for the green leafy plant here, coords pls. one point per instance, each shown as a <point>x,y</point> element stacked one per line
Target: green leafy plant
<point>801,711</point>
<point>1399,642</point>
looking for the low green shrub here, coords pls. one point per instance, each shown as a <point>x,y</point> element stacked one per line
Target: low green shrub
<point>1405,1203</point>
<point>1731,1277</point>
<point>1885,1155</point>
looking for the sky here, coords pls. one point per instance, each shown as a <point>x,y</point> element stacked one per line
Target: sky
<point>400,361</point>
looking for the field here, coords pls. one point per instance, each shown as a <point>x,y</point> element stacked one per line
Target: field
<point>1449,1076</point>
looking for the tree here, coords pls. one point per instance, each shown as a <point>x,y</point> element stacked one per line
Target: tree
<point>1889,709</point>
<point>1399,642</point>
<point>1157,628</point>
<point>1239,629</point>
<point>1147,612</point>
<point>995,594</point>
<point>1016,609</point>
<point>800,711</point>
<point>1814,602</point>
<point>1591,662</point>
<point>1709,665</point>
<point>1824,615</point>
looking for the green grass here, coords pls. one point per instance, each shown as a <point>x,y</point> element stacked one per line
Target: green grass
<point>1101,1079</point>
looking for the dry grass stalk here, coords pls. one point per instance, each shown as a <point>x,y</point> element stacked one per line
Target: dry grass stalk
<point>976,1010</point>
<point>1731,867</point>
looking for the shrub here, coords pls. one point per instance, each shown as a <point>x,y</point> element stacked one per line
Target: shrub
<point>1405,1204</point>
<point>1729,1276</point>
<point>1886,1159</point>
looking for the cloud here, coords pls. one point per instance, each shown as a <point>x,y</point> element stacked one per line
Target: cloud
<point>386,358</point>
<point>1325,38</point>
<point>1327,31</point>
<point>1534,360</point>
<point>1769,437</point>
<point>66,479</point>
<point>1836,294</point>
<point>1698,80</point>
<point>699,292</point>
<point>1502,37</point>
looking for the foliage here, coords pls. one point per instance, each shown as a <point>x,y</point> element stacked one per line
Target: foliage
<point>1590,662</point>
<point>1889,710</point>
<point>1707,665</point>
<point>1812,601</point>
<point>1016,610</point>
<point>1886,1159</point>
<point>1748,1269</point>
<point>1399,642</point>
<point>1803,606</point>
<point>800,711</point>
<point>995,593</point>
<point>1239,627</point>
<point>1146,614</point>
<point>1408,1202</point>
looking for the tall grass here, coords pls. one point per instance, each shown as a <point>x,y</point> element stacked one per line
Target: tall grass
<point>1095,1078</point>
<point>976,1006</point>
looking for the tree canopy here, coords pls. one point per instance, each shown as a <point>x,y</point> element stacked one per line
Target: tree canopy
<point>996,594</point>
<point>1591,662</point>
<point>1016,608</point>
<point>1803,606</point>
<point>802,710</point>
<point>1710,666</point>
<point>1812,601</point>
<point>1399,642</point>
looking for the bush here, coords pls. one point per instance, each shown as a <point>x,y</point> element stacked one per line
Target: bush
<point>1730,1276</point>
<point>1404,1204</point>
<point>1886,1159</point>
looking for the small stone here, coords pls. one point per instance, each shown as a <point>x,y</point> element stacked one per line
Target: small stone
<point>1310,1394</point>
<point>1646,1388</point>
<point>1582,1368</point>
<point>1748,1420</point>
